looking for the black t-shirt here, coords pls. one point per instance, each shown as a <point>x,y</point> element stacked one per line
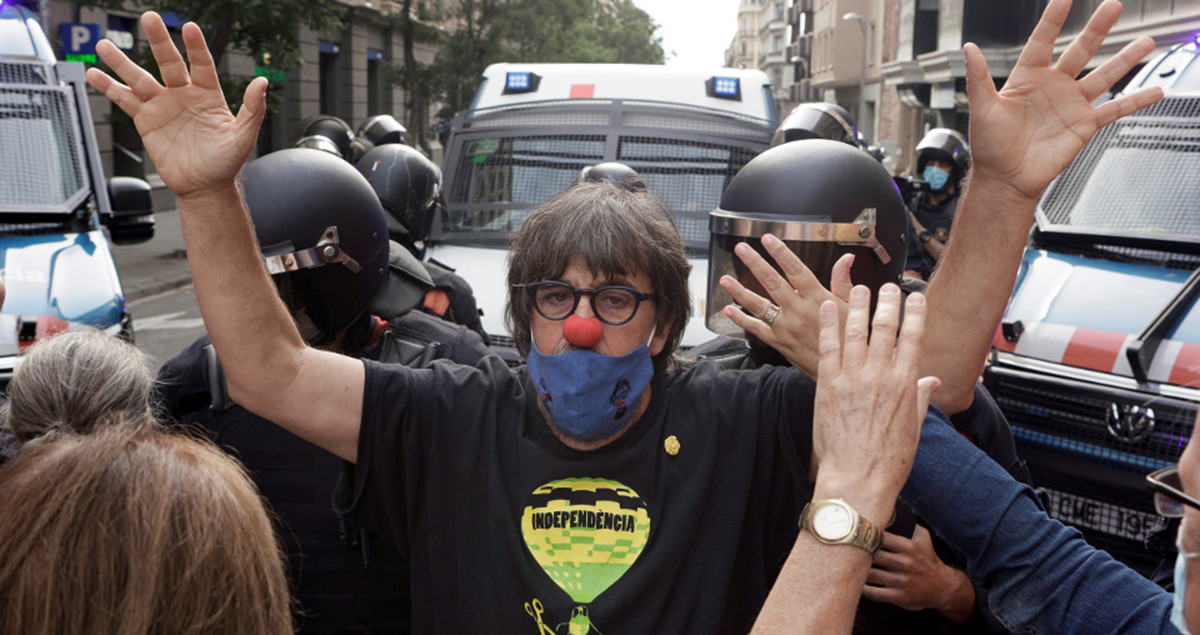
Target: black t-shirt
<point>345,580</point>
<point>983,423</point>
<point>678,526</point>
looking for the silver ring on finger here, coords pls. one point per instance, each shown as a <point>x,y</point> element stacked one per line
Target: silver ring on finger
<point>770,314</point>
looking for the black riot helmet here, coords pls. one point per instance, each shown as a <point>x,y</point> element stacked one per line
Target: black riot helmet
<point>375,131</point>
<point>946,145</point>
<point>818,120</point>
<point>332,128</point>
<point>614,171</point>
<point>381,129</point>
<point>322,233</point>
<point>823,199</point>
<point>320,142</point>
<point>408,184</point>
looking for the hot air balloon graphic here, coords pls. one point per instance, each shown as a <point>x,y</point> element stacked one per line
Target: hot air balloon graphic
<point>585,533</point>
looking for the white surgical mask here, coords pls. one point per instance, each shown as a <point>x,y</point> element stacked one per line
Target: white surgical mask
<point>1177,617</point>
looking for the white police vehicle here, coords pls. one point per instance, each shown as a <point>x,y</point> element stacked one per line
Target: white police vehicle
<point>1097,362</point>
<point>532,127</point>
<point>55,203</point>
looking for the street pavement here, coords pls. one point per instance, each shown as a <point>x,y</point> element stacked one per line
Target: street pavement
<point>157,265</point>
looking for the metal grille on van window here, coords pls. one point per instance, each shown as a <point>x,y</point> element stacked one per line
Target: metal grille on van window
<point>688,176</point>
<point>38,145</point>
<point>525,170</point>
<point>25,73</point>
<point>1140,174</point>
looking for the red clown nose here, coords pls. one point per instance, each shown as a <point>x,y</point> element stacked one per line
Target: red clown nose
<point>582,332</point>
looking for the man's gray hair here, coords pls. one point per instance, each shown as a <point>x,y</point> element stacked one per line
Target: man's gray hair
<point>75,381</point>
<point>614,230</point>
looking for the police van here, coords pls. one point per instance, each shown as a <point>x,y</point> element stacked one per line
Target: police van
<point>1097,360</point>
<point>531,128</point>
<point>55,204</point>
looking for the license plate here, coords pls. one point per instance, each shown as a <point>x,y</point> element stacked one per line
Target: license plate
<point>1100,516</point>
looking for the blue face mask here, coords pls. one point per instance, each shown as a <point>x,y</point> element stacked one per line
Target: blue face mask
<point>936,177</point>
<point>1180,591</point>
<point>587,395</point>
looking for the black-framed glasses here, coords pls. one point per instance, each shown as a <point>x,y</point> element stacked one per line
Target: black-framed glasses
<point>1169,497</point>
<point>613,305</point>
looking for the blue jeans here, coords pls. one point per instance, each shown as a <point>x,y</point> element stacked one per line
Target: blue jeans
<point>1041,575</point>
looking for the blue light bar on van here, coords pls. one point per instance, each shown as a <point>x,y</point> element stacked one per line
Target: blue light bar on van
<point>724,88</point>
<point>523,82</point>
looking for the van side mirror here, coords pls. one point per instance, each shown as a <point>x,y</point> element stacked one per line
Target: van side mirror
<point>132,219</point>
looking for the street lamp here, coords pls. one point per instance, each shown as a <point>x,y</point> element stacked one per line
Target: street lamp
<point>862,78</point>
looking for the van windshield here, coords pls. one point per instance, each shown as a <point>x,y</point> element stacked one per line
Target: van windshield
<point>498,179</point>
<point>39,149</point>
<point>1140,174</point>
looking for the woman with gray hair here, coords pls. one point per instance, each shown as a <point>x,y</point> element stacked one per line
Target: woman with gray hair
<point>75,382</point>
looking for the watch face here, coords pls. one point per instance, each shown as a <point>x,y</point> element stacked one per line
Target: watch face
<point>832,522</point>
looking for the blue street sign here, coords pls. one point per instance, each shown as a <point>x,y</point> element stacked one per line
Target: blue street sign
<point>79,38</point>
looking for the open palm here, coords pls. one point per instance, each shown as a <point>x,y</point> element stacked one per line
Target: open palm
<point>194,140</point>
<point>1027,132</point>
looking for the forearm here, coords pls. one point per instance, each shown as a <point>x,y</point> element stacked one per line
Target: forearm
<point>1040,574</point>
<point>266,363</point>
<point>818,589</point>
<point>974,279</point>
<point>247,322</point>
<point>959,606</point>
<point>936,249</point>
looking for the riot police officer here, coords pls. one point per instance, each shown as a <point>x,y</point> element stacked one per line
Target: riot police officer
<point>324,241</point>
<point>818,120</point>
<point>825,200</point>
<point>410,187</point>
<point>943,158</point>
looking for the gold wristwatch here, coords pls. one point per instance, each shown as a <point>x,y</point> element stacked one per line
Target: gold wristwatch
<point>834,522</point>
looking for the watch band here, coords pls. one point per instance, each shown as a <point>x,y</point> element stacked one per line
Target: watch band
<point>861,532</point>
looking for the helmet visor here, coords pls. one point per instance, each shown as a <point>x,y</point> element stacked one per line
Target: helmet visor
<point>817,244</point>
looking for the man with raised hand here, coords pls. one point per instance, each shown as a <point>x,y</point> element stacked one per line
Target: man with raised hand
<point>599,435</point>
<point>1022,137</point>
<point>865,444</point>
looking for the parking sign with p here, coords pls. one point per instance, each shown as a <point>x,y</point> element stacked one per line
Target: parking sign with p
<point>79,41</point>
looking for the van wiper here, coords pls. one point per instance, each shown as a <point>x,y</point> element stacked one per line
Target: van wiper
<point>1093,236</point>
<point>1141,351</point>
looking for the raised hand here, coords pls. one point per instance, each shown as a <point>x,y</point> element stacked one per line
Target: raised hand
<point>1028,131</point>
<point>195,141</point>
<point>869,402</point>
<point>797,293</point>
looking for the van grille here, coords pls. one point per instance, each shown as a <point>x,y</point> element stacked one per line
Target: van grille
<point>1095,478</point>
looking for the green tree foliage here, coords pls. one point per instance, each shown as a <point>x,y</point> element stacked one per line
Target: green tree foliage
<point>545,31</point>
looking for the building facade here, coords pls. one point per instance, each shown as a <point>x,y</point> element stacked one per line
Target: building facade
<point>347,74</point>
<point>898,67</point>
<point>761,42</point>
